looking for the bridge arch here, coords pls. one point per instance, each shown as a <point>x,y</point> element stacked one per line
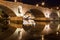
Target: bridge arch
<point>7,10</point>
<point>5,30</point>
<point>37,13</point>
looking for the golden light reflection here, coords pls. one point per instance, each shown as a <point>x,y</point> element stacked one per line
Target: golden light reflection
<point>58,29</point>
<point>57,33</point>
<point>47,29</point>
<point>28,19</point>
<point>58,12</point>
<point>42,37</point>
<point>19,33</point>
<point>15,0</point>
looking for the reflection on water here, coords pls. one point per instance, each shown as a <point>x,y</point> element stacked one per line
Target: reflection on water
<point>50,30</point>
<point>36,27</point>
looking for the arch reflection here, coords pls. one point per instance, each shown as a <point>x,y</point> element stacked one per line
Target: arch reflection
<point>29,18</point>
<point>5,29</point>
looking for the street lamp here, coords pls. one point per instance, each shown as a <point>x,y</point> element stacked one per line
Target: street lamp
<point>57,7</point>
<point>43,3</point>
<point>37,5</point>
<point>42,37</point>
<point>15,0</point>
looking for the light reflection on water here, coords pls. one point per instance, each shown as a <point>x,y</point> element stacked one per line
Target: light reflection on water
<point>51,27</point>
<point>52,30</point>
<point>44,28</point>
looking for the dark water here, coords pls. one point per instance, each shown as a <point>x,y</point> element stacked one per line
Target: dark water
<point>50,31</point>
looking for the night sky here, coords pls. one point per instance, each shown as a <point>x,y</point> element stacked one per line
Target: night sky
<point>48,3</point>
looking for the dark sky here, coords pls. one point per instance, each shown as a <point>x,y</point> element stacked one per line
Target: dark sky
<point>48,3</point>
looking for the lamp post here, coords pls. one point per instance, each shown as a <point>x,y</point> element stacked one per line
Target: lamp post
<point>58,30</point>
<point>15,0</point>
<point>37,5</point>
<point>43,3</point>
<point>42,37</point>
<point>57,7</point>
